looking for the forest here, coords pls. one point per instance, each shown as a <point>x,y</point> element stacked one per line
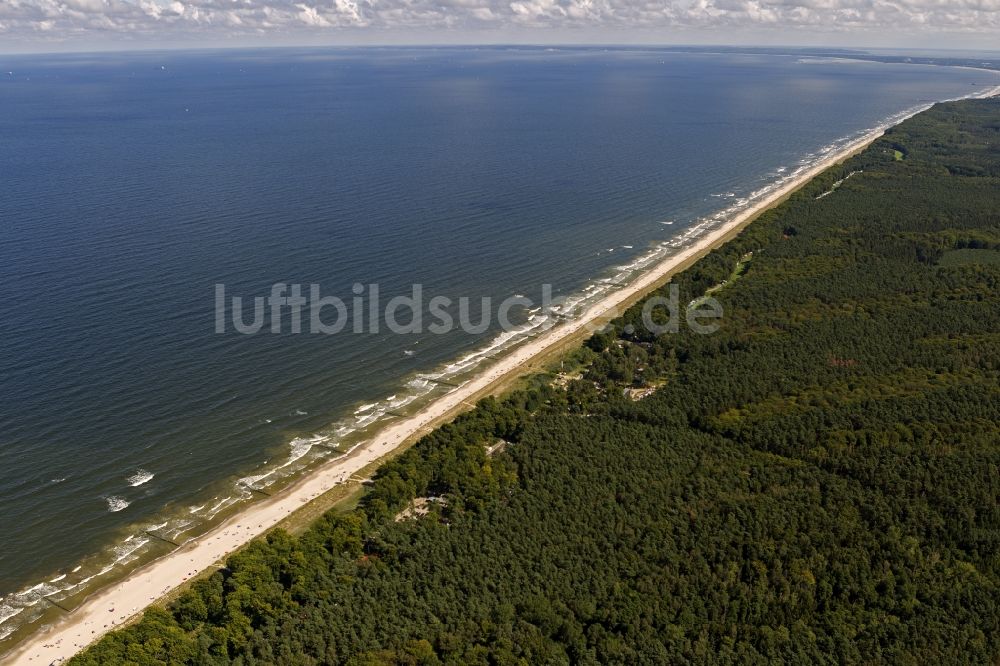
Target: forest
<point>816,482</point>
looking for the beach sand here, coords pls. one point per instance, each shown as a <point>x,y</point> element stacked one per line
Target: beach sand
<point>117,605</point>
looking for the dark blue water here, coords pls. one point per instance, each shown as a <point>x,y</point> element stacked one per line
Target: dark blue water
<point>132,184</point>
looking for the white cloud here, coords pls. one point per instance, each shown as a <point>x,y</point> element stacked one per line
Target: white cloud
<point>138,19</point>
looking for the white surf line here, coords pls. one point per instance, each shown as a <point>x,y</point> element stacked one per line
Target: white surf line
<point>114,606</point>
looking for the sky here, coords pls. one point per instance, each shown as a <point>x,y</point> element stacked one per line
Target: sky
<point>68,25</point>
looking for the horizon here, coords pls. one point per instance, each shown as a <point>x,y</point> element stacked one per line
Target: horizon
<point>748,48</point>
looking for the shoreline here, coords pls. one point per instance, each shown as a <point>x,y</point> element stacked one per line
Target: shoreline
<point>144,586</point>
<point>119,603</point>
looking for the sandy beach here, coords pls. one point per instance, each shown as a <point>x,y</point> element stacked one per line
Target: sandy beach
<point>118,604</point>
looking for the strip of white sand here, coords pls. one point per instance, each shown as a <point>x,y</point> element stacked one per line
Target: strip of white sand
<point>116,605</point>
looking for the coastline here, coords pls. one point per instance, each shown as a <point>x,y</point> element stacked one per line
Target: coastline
<point>95,617</point>
<point>116,605</point>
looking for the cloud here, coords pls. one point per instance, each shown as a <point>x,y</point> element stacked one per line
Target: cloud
<point>139,19</point>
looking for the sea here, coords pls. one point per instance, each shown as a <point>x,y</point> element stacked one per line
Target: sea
<point>136,185</point>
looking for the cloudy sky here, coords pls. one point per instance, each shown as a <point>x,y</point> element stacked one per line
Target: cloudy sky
<point>52,25</point>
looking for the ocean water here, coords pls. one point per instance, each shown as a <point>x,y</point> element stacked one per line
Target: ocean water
<point>134,183</point>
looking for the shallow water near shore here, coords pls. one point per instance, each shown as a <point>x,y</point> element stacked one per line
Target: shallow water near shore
<point>137,182</point>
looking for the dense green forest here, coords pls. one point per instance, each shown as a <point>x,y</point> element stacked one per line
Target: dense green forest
<point>816,482</point>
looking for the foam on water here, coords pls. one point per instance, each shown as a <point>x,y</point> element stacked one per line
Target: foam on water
<point>140,477</point>
<point>116,503</point>
<point>7,612</point>
<point>221,504</point>
<point>299,448</point>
